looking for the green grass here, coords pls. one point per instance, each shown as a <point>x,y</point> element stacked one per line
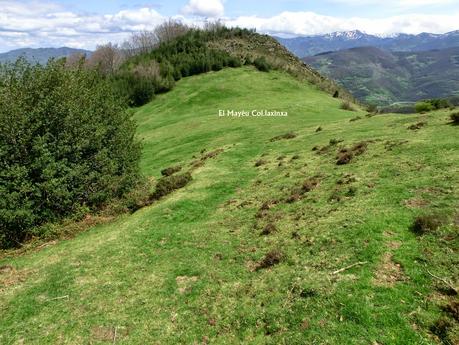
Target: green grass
<point>182,271</point>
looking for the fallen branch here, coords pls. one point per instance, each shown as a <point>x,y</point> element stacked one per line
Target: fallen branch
<point>114,337</point>
<point>360,263</point>
<point>56,298</point>
<point>444,282</point>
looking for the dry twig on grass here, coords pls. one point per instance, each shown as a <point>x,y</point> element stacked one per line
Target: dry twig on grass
<point>57,298</point>
<point>444,282</point>
<point>360,263</point>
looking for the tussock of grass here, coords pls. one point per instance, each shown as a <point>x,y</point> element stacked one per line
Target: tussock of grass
<point>355,119</point>
<point>453,309</point>
<point>171,170</point>
<point>425,224</point>
<point>260,162</point>
<point>347,106</point>
<point>417,126</point>
<point>271,258</point>
<point>307,186</point>
<point>345,155</point>
<point>286,136</point>
<point>269,229</point>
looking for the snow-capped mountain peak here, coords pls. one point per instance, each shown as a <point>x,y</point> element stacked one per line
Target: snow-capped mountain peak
<point>347,35</point>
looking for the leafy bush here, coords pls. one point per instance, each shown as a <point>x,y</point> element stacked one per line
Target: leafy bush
<point>432,104</point>
<point>439,103</point>
<point>261,64</point>
<point>171,170</point>
<point>66,142</point>
<point>422,107</point>
<point>168,184</point>
<point>135,90</point>
<point>455,118</point>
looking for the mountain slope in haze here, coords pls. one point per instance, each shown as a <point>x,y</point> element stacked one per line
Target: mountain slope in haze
<point>40,55</point>
<point>312,45</point>
<point>272,242</point>
<point>382,77</point>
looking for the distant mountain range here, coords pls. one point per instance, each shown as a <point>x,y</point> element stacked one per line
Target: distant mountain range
<point>312,45</point>
<point>40,55</point>
<point>383,77</point>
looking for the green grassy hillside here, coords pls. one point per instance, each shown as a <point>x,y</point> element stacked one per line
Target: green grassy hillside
<point>382,77</point>
<point>271,243</point>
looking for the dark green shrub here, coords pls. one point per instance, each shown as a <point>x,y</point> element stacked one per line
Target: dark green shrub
<point>169,184</point>
<point>422,107</point>
<point>432,104</point>
<point>171,170</point>
<point>455,118</point>
<point>136,91</point>
<point>66,141</point>
<point>261,64</point>
<point>438,103</point>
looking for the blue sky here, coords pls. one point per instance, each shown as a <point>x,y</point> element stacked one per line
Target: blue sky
<point>87,23</point>
<point>235,8</point>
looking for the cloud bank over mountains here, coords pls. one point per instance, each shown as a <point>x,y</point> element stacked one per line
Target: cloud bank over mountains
<point>37,23</point>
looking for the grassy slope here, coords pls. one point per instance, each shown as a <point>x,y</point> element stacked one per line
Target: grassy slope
<point>181,271</point>
<point>377,76</point>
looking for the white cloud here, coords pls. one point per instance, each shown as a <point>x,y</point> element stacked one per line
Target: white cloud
<point>310,23</point>
<point>45,24</point>
<point>397,3</point>
<point>204,8</point>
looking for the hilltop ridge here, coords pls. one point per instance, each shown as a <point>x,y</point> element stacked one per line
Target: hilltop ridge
<point>40,55</point>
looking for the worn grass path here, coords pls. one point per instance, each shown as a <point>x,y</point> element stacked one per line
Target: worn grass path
<point>183,270</point>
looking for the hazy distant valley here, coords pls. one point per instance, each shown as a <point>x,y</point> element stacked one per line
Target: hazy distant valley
<point>385,70</point>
